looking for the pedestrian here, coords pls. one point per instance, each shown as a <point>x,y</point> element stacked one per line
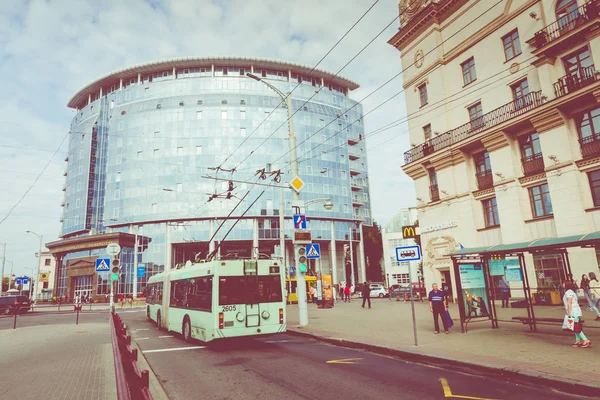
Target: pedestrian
<point>438,306</point>
<point>366,294</point>
<point>504,291</point>
<point>122,300</point>
<point>446,290</point>
<point>312,293</point>
<point>574,311</point>
<point>347,294</point>
<point>591,299</point>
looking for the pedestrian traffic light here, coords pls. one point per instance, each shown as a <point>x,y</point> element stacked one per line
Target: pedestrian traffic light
<point>115,270</point>
<point>301,252</point>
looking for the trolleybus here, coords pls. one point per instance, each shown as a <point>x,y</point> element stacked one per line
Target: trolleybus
<point>219,299</point>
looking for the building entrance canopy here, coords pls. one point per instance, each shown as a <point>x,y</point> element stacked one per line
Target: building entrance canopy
<point>483,257</point>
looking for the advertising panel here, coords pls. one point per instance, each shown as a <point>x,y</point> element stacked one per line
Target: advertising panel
<point>475,300</point>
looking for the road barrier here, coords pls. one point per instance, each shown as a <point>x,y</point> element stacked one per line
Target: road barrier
<point>131,383</point>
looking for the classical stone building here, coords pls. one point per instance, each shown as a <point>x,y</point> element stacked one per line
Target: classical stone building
<point>503,101</point>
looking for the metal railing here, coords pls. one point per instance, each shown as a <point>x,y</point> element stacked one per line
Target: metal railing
<point>566,24</point>
<point>575,80</point>
<point>131,383</point>
<point>533,164</point>
<point>501,114</point>
<point>590,145</point>
<point>434,192</point>
<point>485,180</point>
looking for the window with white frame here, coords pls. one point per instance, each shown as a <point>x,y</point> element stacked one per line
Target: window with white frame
<point>180,151</point>
<point>118,177</point>
<point>198,150</point>
<point>154,208</point>
<point>179,187</point>
<point>223,114</point>
<point>198,114</point>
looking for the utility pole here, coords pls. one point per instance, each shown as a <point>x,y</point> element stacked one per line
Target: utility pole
<point>300,278</point>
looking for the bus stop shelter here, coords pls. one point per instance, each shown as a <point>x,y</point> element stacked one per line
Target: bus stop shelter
<point>474,268</point>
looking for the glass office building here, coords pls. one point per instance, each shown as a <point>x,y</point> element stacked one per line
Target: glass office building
<point>148,141</point>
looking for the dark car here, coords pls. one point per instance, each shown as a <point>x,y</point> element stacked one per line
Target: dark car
<point>7,303</point>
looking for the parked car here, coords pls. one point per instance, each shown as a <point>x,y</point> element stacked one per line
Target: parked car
<point>377,290</point>
<point>399,290</point>
<point>7,302</point>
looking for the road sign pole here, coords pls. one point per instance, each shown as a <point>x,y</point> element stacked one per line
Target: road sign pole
<point>412,305</point>
<point>135,267</point>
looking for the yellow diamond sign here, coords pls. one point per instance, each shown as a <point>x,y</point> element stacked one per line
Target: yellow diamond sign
<point>297,184</point>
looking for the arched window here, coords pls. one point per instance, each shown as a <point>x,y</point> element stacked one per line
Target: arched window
<point>566,12</point>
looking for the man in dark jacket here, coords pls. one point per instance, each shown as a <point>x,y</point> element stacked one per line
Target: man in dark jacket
<point>366,294</point>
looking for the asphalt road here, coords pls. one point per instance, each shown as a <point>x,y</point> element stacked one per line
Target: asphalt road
<point>289,367</point>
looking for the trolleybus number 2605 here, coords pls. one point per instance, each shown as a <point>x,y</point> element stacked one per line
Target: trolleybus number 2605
<point>219,299</point>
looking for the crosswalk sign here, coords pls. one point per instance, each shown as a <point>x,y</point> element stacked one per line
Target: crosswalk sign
<point>102,264</point>
<point>313,251</point>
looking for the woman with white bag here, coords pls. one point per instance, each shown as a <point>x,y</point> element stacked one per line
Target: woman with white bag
<point>572,319</point>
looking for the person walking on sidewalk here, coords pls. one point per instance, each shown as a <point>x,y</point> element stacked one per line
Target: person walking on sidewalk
<point>504,291</point>
<point>574,311</point>
<point>438,306</point>
<point>366,294</point>
<point>347,294</point>
<point>591,299</point>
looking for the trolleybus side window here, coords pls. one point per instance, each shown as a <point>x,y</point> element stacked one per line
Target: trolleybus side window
<point>154,293</point>
<point>199,294</point>
<point>178,293</point>
<point>249,289</point>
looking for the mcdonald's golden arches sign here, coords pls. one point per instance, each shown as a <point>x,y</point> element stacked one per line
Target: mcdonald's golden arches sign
<point>409,232</point>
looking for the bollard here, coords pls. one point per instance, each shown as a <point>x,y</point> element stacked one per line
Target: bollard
<point>15,321</point>
<point>77,307</point>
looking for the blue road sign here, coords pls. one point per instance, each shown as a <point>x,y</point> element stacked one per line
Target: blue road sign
<point>299,221</point>
<point>141,271</point>
<point>408,253</point>
<point>313,251</point>
<point>25,281</point>
<point>19,281</point>
<point>292,270</point>
<point>102,264</point>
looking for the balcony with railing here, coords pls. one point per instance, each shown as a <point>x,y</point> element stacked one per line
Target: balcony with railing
<point>590,145</point>
<point>498,116</point>
<point>356,184</point>
<point>357,200</point>
<point>575,81</point>
<point>573,25</point>
<point>434,192</point>
<point>485,179</point>
<point>533,164</point>
<point>353,154</point>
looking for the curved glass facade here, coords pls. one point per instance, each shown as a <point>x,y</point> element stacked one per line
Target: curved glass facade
<point>142,152</point>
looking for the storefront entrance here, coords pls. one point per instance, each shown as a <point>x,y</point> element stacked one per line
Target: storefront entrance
<point>82,286</point>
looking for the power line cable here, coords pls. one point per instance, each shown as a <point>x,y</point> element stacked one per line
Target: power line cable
<point>35,181</point>
<point>390,80</point>
<point>319,90</point>
<point>299,83</point>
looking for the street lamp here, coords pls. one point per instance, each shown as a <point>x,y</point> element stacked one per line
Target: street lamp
<point>34,297</point>
<point>300,278</point>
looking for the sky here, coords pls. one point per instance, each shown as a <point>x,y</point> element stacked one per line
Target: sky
<point>51,49</point>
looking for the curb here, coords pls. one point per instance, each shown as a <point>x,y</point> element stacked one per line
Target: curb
<point>516,376</point>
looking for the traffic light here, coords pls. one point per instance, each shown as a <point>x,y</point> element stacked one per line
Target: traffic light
<point>301,253</point>
<point>115,270</point>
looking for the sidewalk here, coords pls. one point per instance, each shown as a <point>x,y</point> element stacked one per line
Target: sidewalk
<point>58,362</point>
<point>547,354</point>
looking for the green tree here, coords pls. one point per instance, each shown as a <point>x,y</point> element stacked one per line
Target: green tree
<point>373,252</point>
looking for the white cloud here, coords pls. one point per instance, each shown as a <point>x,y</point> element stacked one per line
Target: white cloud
<point>53,48</point>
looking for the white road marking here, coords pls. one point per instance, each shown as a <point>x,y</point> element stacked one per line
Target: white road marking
<point>142,329</point>
<point>142,338</point>
<point>280,341</point>
<point>163,337</point>
<point>174,349</point>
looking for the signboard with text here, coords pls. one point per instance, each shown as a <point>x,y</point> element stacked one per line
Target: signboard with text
<point>475,300</point>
